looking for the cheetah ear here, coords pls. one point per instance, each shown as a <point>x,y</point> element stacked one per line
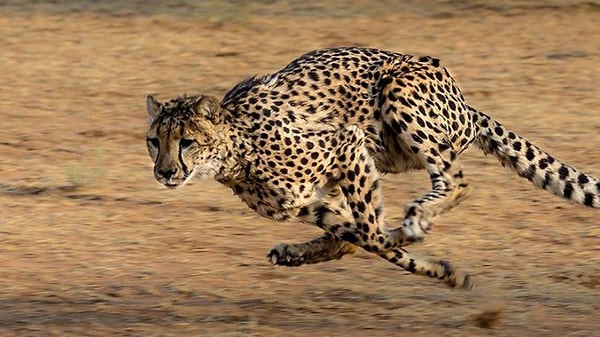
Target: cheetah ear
<point>153,106</point>
<point>208,106</point>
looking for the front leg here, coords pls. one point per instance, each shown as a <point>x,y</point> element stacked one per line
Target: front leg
<point>321,249</point>
<point>419,265</point>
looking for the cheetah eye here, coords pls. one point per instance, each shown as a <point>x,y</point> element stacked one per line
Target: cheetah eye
<point>184,143</point>
<point>153,141</point>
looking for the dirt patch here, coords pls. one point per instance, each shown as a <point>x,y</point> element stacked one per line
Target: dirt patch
<point>90,245</point>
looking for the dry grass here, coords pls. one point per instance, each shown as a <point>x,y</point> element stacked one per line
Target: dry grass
<point>91,246</point>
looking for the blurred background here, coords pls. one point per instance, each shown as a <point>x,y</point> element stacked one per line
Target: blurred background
<point>90,245</point>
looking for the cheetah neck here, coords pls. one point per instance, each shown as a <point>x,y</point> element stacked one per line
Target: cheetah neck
<point>236,156</point>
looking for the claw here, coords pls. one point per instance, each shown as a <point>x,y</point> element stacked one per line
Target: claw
<point>272,258</point>
<point>281,255</point>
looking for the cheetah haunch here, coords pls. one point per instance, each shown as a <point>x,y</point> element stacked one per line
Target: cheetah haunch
<point>311,141</point>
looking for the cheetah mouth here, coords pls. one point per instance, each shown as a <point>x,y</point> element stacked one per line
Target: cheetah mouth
<point>174,183</point>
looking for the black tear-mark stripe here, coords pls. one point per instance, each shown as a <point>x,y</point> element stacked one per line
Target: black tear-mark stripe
<point>184,167</point>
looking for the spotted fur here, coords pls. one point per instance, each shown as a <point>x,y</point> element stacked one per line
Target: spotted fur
<point>311,141</point>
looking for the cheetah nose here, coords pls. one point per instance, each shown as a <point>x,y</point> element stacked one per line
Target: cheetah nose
<point>167,174</point>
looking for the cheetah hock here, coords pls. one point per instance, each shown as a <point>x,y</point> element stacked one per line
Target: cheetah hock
<point>311,141</point>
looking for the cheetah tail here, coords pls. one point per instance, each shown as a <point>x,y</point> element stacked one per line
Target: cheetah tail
<point>532,163</point>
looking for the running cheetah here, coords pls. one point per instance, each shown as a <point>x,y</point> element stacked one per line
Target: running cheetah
<point>311,141</point>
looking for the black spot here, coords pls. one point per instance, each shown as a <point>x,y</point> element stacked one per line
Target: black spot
<point>350,237</point>
<point>517,146</point>
<point>313,76</point>
<point>417,139</point>
<point>499,131</point>
<point>563,172</point>
<point>357,167</point>
<point>589,199</point>
<point>568,190</point>
<point>530,155</point>
<point>441,97</point>
<point>543,163</point>
<point>362,181</point>
<point>443,146</point>
<point>408,118</point>
<point>368,197</point>
<point>583,179</point>
<point>412,266</point>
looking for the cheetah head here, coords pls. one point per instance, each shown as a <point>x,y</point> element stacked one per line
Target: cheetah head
<point>184,139</point>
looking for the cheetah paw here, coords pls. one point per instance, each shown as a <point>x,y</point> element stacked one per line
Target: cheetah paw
<point>415,228</point>
<point>456,278</point>
<point>285,255</point>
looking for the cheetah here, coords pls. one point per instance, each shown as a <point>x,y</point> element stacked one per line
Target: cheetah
<point>311,141</point>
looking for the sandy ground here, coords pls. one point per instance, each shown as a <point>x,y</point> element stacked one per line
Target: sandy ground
<point>90,245</point>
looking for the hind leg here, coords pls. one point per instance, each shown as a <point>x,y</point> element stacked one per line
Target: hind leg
<point>439,269</point>
<point>449,188</point>
<point>429,120</point>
